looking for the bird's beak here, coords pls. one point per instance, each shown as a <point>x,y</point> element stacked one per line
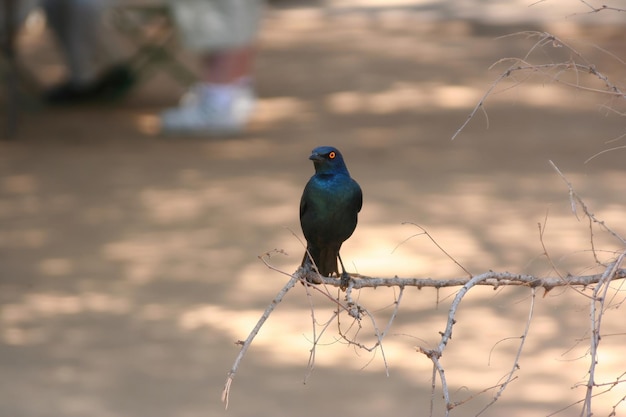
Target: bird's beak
<point>315,157</point>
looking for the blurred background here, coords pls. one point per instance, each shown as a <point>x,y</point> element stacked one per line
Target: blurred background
<point>129,259</point>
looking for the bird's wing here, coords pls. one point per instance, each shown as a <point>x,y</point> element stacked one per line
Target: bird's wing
<point>303,203</point>
<point>359,197</point>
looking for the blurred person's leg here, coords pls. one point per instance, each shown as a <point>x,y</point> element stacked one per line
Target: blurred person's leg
<point>222,101</point>
<point>93,66</point>
<point>223,34</point>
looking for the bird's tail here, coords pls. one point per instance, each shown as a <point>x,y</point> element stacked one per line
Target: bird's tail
<point>325,259</point>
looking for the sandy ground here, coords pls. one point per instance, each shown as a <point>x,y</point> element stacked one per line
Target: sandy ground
<point>129,262</point>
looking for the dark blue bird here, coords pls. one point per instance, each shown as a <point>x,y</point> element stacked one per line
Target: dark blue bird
<point>329,207</point>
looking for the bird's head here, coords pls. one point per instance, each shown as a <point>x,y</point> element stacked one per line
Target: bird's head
<point>328,159</point>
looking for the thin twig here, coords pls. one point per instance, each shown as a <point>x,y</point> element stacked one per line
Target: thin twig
<point>542,229</point>
<point>576,200</point>
<point>424,231</point>
<point>515,367</point>
<point>316,340</point>
<point>484,390</point>
<point>593,9</point>
<point>603,152</point>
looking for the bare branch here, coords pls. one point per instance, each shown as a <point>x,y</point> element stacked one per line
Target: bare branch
<point>593,9</point>
<point>490,278</point>
<point>579,65</point>
<point>596,314</point>
<point>246,344</point>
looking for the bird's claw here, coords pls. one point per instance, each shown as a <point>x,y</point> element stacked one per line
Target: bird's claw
<point>344,280</point>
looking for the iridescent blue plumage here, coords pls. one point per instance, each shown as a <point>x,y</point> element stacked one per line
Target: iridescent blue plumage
<point>329,207</point>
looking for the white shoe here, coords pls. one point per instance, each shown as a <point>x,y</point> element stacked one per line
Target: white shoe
<point>208,109</point>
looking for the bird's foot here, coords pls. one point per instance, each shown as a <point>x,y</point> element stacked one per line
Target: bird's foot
<point>344,280</point>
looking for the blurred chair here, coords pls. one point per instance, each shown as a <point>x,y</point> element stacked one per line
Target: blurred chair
<point>148,26</point>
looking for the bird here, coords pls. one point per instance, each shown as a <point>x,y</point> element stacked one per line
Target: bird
<point>329,209</point>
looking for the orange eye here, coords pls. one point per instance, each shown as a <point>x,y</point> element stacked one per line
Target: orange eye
<point>332,155</point>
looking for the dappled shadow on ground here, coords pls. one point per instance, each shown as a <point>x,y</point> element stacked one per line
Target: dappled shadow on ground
<point>129,262</point>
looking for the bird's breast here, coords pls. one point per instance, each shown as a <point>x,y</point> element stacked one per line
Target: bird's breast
<point>330,207</point>
<point>333,190</point>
